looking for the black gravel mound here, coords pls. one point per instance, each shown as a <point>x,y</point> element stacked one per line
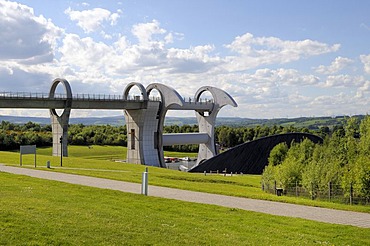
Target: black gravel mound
<point>250,157</point>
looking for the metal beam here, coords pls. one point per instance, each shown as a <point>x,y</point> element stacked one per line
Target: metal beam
<point>184,138</point>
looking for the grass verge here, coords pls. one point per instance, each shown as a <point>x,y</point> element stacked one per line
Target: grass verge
<point>241,185</point>
<point>40,212</point>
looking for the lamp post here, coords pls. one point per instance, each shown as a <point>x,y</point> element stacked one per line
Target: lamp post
<point>61,151</point>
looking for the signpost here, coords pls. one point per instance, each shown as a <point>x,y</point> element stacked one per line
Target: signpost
<point>27,149</point>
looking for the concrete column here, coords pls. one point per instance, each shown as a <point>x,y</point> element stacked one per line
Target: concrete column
<point>169,96</point>
<point>142,135</point>
<point>142,130</point>
<point>59,124</point>
<point>207,122</point>
<point>145,126</point>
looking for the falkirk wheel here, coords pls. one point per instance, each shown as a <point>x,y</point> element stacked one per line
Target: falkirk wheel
<point>145,139</point>
<point>145,119</point>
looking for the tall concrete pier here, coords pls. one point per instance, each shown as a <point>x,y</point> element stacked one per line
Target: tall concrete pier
<point>59,123</point>
<point>144,117</point>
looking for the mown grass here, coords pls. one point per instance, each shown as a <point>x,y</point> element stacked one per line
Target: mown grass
<point>97,152</point>
<point>40,212</point>
<point>240,185</point>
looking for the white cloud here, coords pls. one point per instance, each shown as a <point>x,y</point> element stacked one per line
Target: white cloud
<point>25,36</point>
<point>365,59</point>
<point>85,54</point>
<point>252,72</point>
<point>93,19</point>
<point>344,81</point>
<point>256,51</point>
<point>145,31</point>
<point>337,65</point>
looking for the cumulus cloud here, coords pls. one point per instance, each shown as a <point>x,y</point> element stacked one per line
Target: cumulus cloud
<point>365,59</point>
<point>25,36</point>
<point>15,77</point>
<point>92,19</point>
<point>144,32</point>
<point>84,52</point>
<point>257,71</point>
<point>344,81</point>
<point>337,65</point>
<point>148,54</point>
<point>255,51</point>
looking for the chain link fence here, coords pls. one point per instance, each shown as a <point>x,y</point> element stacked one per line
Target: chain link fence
<point>332,192</point>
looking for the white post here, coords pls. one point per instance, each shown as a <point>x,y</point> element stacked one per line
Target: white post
<point>144,184</point>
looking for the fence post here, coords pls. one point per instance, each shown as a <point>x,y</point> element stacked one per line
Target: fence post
<point>275,186</point>
<point>296,188</point>
<point>312,192</point>
<point>330,187</point>
<point>350,194</point>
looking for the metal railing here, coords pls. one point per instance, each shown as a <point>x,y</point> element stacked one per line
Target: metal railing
<point>90,97</point>
<point>61,96</point>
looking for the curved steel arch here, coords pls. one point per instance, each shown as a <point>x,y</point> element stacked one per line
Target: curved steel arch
<point>169,95</point>
<point>68,90</point>
<point>141,88</point>
<point>221,97</point>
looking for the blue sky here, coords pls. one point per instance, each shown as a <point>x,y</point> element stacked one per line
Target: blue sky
<point>276,58</point>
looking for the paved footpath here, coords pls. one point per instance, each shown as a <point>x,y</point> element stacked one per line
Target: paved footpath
<point>268,207</point>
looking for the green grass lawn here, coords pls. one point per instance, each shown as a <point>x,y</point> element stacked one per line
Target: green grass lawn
<point>40,212</point>
<point>97,152</point>
<point>101,166</point>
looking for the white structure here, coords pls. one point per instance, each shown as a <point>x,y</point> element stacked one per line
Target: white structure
<point>145,139</point>
<point>144,119</point>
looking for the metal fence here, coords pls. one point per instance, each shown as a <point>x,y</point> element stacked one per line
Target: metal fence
<point>332,192</point>
<point>94,97</point>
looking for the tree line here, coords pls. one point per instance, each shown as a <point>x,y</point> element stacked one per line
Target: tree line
<point>13,135</point>
<point>343,160</point>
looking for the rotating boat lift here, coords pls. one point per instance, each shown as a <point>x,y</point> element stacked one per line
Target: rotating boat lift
<point>145,120</point>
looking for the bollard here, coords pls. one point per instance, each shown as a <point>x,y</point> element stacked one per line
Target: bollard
<point>48,164</point>
<point>144,184</point>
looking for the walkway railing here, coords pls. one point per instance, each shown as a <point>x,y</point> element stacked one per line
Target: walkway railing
<point>61,96</point>
<point>89,97</point>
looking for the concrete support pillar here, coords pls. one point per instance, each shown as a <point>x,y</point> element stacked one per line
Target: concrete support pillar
<point>142,130</point>
<point>207,122</point>
<point>59,124</point>
<point>169,96</point>
<point>142,135</point>
<point>145,126</point>
<point>207,126</point>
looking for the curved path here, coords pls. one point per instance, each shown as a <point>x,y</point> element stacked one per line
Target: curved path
<point>268,207</point>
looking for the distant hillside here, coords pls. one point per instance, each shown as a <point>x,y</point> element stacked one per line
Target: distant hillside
<point>309,122</point>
